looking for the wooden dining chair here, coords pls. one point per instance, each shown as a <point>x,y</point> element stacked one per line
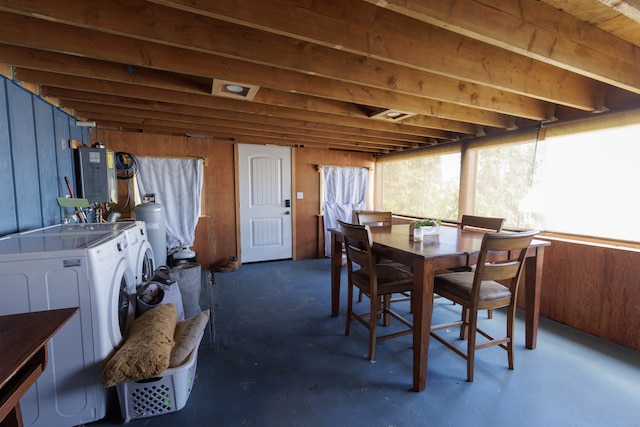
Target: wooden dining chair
<point>480,223</point>
<point>481,290</point>
<point>376,281</point>
<point>379,219</point>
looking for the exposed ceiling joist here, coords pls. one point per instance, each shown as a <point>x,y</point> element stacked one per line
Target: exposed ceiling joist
<point>326,74</point>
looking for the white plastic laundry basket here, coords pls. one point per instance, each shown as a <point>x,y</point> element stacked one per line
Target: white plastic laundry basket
<point>159,395</point>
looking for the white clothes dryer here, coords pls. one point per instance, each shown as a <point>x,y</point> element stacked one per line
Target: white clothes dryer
<point>139,251</point>
<point>45,271</point>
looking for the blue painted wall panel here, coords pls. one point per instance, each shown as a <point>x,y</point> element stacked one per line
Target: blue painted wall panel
<point>64,155</point>
<point>8,220</point>
<point>24,157</point>
<point>35,156</point>
<point>46,152</point>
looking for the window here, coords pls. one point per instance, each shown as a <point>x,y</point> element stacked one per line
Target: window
<point>587,182</point>
<point>423,184</point>
<point>575,178</point>
<point>503,174</point>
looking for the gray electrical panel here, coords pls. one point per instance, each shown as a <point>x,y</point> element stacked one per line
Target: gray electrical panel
<point>97,175</point>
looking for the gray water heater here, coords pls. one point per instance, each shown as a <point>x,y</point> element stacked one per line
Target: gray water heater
<point>154,218</point>
<point>96,172</point>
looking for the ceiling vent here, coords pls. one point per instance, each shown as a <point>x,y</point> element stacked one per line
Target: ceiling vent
<point>386,114</point>
<point>234,90</point>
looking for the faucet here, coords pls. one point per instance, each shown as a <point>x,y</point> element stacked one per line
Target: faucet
<point>77,216</point>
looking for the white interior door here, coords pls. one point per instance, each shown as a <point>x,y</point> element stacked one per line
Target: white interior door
<point>265,202</point>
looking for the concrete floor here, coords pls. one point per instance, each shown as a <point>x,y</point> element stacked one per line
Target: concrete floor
<point>273,356</point>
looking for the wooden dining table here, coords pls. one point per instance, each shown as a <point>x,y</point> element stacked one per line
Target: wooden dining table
<point>23,356</point>
<point>452,247</point>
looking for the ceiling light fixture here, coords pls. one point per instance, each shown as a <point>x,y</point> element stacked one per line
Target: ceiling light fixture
<point>387,114</point>
<point>234,90</point>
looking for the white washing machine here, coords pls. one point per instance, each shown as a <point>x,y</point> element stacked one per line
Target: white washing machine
<point>139,251</point>
<point>44,271</point>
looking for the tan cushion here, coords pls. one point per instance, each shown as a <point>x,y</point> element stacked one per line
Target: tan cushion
<point>187,336</point>
<point>146,351</point>
<point>460,284</point>
<point>390,279</point>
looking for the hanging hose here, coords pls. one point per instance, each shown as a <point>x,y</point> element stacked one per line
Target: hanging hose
<point>126,169</point>
<point>126,165</point>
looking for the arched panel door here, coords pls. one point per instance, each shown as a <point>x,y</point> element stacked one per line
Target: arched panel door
<point>265,202</point>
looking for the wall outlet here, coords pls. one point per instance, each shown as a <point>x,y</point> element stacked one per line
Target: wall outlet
<point>299,195</point>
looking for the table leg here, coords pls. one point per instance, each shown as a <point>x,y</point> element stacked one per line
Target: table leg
<point>533,285</point>
<point>422,306</point>
<point>336,268</point>
<point>13,418</point>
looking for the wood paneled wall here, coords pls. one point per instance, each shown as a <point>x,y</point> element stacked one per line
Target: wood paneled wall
<point>594,289</point>
<point>307,180</point>
<point>591,288</point>
<point>219,199</point>
<point>218,195</point>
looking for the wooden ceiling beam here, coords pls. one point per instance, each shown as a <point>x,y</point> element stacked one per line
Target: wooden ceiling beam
<point>91,110</point>
<point>629,8</point>
<point>388,36</point>
<point>97,69</point>
<point>61,38</point>
<point>257,138</point>
<point>170,102</point>
<point>322,75</point>
<point>534,30</point>
<point>227,132</point>
<point>52,62</point>
<point>234,41</point>
<point>134,91</point>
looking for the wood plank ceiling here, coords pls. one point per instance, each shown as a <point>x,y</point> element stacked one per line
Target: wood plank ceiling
<point>327,73</point>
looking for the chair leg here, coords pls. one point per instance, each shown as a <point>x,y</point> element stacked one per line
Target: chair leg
<point>386,317</point>
<point>349,309</point>
<point>464,327</point>
<point>471,343</point>
<point>372,326</point>
<point>511,317</point>
<point>490,313</point>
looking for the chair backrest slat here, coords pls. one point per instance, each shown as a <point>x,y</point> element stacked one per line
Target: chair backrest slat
<point>500,271</point>
<point>373,218</point>
<point>358,242</point>
<point>515,244</point>
<point>483,222</point>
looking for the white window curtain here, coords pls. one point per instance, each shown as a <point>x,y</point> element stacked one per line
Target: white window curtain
<point>345,190</point>
<point>177,185</point>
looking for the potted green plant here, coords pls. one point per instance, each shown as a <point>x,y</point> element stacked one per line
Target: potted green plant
<point>429,226</point>
<point>415,231</point>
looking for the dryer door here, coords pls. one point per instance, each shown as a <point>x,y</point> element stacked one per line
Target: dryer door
<point>145,262</point>
<point>114,307</point>
<point>124,292</point>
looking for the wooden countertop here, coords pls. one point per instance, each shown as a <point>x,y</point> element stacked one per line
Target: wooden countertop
<point>23,352</point>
